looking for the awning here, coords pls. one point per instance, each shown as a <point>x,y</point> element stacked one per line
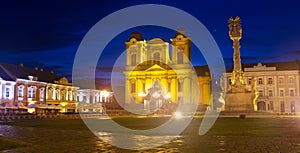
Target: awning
<point>54,107</point>
<point>32,106</point>
<point>11,107</point>
<point>22,107</point>
<point>42,106</point>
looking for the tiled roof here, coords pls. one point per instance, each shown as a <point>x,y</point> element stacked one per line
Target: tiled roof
<point>202,70</point>
<point>11,72</point>
<point>280,66</point>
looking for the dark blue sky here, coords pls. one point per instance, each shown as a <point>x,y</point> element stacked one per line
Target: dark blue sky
<point>47,34</point>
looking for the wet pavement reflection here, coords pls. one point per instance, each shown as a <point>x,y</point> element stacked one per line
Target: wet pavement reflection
<point>58,140</point>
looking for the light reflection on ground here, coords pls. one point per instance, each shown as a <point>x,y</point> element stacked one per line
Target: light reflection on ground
<point>41,139</point>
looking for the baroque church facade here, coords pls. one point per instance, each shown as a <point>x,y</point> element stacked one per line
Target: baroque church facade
<point>152,74</point>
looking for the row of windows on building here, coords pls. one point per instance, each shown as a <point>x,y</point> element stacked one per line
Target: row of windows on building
<point>281,80</point>
<point>282,107</point>
<point>270,80</point>
<point>270,93</point>
<point>133,87</point>
<point>156,57</point>
<point>95,99</point>
<point>60,94</point>
<point>270,106</point>
<point>32,92</point>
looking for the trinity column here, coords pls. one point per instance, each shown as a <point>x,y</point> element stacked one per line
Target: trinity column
<point>239,97</point>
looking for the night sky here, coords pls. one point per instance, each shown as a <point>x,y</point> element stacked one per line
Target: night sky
<point>47,34</point>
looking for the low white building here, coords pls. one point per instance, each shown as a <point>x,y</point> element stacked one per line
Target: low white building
<point>7,93</point>
<point>92,100</point>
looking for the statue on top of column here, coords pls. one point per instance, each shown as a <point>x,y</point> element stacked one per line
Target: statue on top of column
<point>235,28</point>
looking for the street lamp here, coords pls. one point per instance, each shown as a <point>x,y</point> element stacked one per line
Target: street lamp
<point>167,97</point>
<point>105,94</point>
<point>155,95</point>
<point>178,115</point>
<point>142,94</point>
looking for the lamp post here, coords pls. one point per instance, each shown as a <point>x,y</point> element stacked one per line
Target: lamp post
<point>167,98</point>
<point>142,94</point>
<point>104,94</point>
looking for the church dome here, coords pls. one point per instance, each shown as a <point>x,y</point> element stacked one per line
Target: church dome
<point>156,41</point>
<point>181,31</point>
<point>138,36</point>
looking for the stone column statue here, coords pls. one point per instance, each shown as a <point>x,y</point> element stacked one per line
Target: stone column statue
<point>235,33</point>
<point>238,98</point>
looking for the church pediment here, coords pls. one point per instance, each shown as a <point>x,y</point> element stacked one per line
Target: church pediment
<point>155,67</point>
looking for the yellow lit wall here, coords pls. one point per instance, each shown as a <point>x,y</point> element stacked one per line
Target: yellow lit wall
<point>205,90</point>
<point>143,69</point>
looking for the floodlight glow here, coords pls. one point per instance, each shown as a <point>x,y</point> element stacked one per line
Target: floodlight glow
<point>178,115</point>
<point>105,93</point>
<point>167,96</point>
<point>155,95</point>
<point>141,94</point>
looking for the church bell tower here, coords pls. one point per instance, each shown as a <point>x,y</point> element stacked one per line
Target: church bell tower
<point>181,47</point>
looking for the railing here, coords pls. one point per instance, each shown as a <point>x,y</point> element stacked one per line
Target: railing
<point>26,117</point>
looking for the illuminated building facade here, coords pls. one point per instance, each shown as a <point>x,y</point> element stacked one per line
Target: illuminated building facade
<point>35,91</point>
<point>61,94</point>
<point>92,100</point>
<point>7,94</point>
<point>29,92</point>
<point>150,73</point>
<point>277,84</point>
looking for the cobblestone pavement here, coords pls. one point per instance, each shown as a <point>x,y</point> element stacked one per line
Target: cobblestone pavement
<point>56,141</point>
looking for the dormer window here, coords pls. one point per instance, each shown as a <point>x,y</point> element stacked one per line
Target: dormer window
<point>30,77</point>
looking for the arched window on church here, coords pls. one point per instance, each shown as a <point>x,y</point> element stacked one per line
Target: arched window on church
<point>180,58</point>
<point>133,60</point>
<point>132,88</point>
<point>179,87</point>
<point>156,57</point>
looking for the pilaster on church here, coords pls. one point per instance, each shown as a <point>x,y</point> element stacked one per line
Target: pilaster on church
<point>151,61</point>
<point>161,77</point>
